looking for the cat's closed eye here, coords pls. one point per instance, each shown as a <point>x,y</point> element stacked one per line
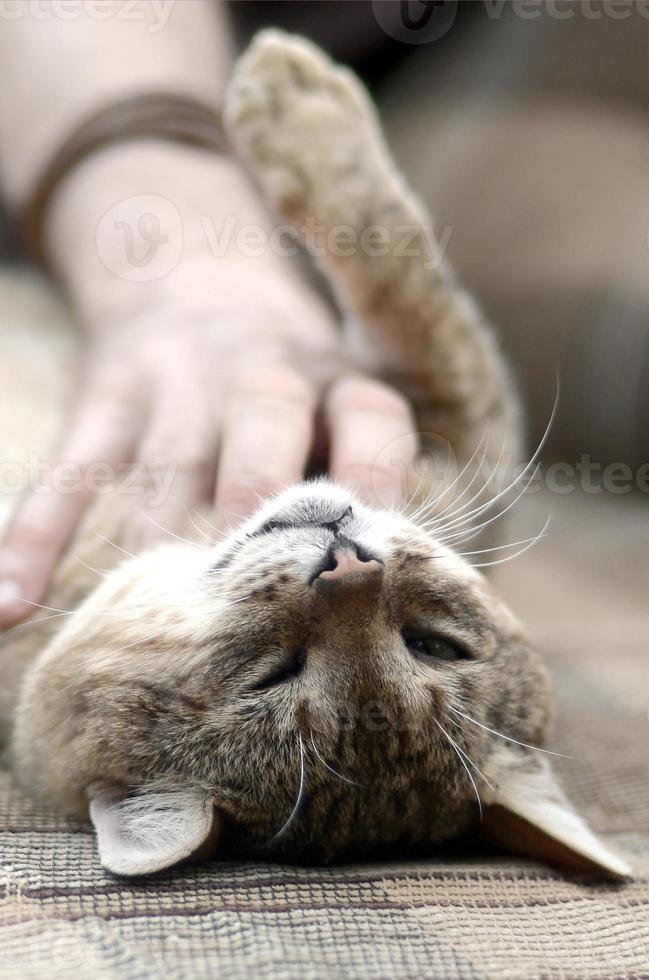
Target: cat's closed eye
<point>290,666</point>
<point>433,647</point>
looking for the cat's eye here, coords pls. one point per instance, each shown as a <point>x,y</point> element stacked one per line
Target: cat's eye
<point>290,667</point>
<point>433,647</point>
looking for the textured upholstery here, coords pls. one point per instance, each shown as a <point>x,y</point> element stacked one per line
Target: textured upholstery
<point>583,593</point>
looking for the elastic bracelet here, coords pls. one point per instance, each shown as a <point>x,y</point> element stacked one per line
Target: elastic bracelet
<point>152,115</point>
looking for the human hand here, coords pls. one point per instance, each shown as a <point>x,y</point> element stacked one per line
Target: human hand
<point>221,383</point>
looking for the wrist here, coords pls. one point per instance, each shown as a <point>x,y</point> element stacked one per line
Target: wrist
<point>135,219</point>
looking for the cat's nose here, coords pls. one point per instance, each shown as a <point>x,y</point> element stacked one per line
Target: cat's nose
<point>348,565</point>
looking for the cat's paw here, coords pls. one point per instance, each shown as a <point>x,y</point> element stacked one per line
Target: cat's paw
<point>299,120</point>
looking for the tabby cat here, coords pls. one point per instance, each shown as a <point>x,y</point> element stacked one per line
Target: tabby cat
<point>330,681</point>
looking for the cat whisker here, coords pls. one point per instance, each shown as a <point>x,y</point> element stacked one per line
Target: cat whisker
<point>417,513</point>
<point>90,568</point>
<point>493,731</point>
<point>457,530</point>
<point>197,528</point>
<point>530,544</point>
<point>482,508</point>
<point>166,530</point>
<point>422,509</point>
<point>238,518</point>
<point>439,517</point>
<point>445,516</point>
<point>459,754</point>
<point>421,514</point>
<point>114,545</point>
<point>68,612</point>
<point>463,537</point>
<point>36,622</point>
<point>300,794</point>
<point>54,609</point>
<point>402,510</point>
<point>430,501</point>
<point>472,763</point>
<point>466,524</point>
<point>211,526</point>
<point>483,551</point>
<point>335,772</point>
<point>111,611</point>
<point>502,547</point>
<point>447,538</point>
<point>443,520</point>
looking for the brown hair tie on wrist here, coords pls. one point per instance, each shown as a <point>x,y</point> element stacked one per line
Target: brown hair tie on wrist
<point>153,115</point>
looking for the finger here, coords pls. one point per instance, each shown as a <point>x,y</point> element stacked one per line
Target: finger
<point>373,439</point>
<point>44,523</point>
<point>175,468</point>
<point>266,440</point>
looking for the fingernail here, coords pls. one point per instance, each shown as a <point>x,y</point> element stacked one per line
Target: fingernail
<point>11,606</point>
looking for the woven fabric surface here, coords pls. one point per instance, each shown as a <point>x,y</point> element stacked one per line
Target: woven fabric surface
<point>583,592</point>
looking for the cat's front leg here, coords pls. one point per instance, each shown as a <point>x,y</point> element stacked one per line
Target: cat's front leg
<point>311,136</point>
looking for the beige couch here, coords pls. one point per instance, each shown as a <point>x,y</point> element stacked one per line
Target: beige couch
<point>583,592</point>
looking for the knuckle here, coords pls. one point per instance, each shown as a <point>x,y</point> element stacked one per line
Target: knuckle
<point>197,465</point>
<point>368,395</point>
<point>277,384</point>
<point>188,453</point>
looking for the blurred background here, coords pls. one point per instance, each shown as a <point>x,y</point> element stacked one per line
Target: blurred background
<point>524,127</point>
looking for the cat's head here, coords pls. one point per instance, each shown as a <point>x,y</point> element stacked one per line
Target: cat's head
<point>330,681</point>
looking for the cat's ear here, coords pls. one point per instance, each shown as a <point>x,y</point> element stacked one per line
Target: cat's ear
<point>527,812</point>
<point>151,829</point>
